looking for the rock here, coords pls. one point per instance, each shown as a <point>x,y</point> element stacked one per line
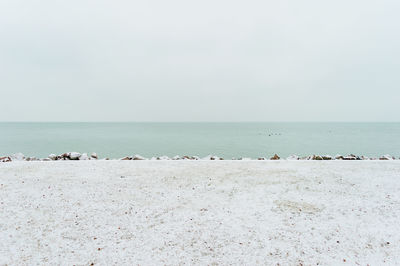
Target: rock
<point>84,157</point>
<point>317,157</point>
<point>94,155</point>
<point>138,157</point>
<point>196,158</point>
<point>5,159</point>
<point>351,157</point>
<point>46,160</point>
<point>261,159</point>
<point>74,155</point>
<point>292,158</point>
<point>326,157</point>
<point>32,159</point>
<point>339,157</point>
<point>53,157</point>
<point>275,157</point>
<point>127,158</point>
<point>163,158</point>
<point>17,157</point>
<point>177,157</point>
<point>386,157</point>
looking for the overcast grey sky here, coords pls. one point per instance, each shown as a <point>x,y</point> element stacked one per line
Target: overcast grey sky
<point>208,60</point>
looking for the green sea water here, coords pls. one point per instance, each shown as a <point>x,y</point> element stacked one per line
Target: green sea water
<point>227,140</point>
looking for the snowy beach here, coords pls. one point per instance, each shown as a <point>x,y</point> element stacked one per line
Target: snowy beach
<point>200,212</point>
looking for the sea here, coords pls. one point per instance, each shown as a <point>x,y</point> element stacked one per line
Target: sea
<point>227,140</point>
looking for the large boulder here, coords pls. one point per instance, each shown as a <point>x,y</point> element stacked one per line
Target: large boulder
<point>317,157</point>
<point>52,157</point>
<point>163,158</point>
<point>84,157</point>
<point>17,157</point>
<point>351,157</point>
<point>326,157</point>
<point>74,155</point>
<point>5,159</point>
<point>138,157</point>
<point>386,157</point>
<point>339,157</point>
<point>275,157</point>
<point>292,158</point>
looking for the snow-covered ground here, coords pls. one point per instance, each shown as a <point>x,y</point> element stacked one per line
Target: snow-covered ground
<point>200,212</point>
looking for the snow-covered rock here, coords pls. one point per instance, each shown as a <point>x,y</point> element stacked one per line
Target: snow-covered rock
<point>326,157</point>
<point>46,159</point>
<point>386,157</point>
<point>17,157</point>
<point>53,157</point>
<point>74,155</point>
<point>84,157</point>
<point>317,157</point>
<point>292,158</point>
<point>94,155</point>
<point>339,157</point>
<point>5,159</point>
<point>138,157</point>
<point>351,157</point>
<point>177,157</point>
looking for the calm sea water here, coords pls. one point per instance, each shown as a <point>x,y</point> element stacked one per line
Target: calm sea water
<point>223,139</point>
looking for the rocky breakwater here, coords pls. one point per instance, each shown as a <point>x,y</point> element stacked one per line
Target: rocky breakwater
<point>76,156</point>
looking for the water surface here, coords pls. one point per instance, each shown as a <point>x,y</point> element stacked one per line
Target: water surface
<point>228,140</point>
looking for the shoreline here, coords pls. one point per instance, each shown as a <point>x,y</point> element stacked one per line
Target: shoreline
<point>76,156</point>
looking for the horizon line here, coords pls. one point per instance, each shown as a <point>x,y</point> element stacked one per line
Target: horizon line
<point>199,121</point>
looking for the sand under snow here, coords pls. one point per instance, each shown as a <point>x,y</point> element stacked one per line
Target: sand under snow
<point>200,212</point>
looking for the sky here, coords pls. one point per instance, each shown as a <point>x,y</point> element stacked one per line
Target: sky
<point>209,60</point>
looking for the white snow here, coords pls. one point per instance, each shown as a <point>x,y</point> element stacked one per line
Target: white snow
<point>200,212</point>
